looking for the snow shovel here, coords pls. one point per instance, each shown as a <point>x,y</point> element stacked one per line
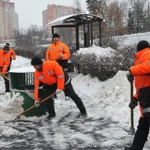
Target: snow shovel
<point>40,102</point>
<point>132,129</point>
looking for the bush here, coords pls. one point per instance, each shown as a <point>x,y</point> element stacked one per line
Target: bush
<point>127,54</point>
<point>103,67</point>
<point>30,52</point>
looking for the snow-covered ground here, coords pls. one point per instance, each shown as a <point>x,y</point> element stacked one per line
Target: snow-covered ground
<point>107,126</point>
<point>132,39</point>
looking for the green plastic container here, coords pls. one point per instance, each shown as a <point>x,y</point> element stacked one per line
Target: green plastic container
<point>29,102</point>
<point>23,82</point>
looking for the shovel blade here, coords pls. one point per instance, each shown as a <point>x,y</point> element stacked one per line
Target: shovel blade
<point>132,131</point>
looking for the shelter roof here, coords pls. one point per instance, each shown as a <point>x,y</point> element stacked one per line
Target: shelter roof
<point>75,19</point>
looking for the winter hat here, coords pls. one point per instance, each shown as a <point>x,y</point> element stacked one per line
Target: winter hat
<point>56,35</point>
<point>36,61</point>
<point>142,45</point>
<point>6,48</point>
<point>7,44</point>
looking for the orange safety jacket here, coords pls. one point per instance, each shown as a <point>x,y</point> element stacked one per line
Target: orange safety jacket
<point>51,73</point>
<point>141,73</point>
<point>54,50</point>
<point>4,61</point>
<point>12,53</point>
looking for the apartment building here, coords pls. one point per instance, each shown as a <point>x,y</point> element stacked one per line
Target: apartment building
<point>55,11</point>
<point>7,20</point>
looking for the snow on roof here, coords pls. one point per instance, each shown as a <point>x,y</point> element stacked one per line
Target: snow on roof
<point>59,20</point>
<point>73,18</point>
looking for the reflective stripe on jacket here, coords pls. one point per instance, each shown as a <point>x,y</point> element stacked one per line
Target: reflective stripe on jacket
<point>141,73</point>
<point>54,50</point>
<point>52,73</point>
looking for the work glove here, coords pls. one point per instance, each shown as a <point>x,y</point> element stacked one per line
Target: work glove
<point>133,103</point>
<point>60,56</point>
<point>58,91</point>
<point>37,103</point>
<point>130,77</point>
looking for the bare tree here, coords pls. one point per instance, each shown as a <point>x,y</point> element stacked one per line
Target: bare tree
<point>77,5</point>
<point>29,37</point>
<point>114,19</point>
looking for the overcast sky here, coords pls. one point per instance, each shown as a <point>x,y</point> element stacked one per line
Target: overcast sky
<point>30,11</point>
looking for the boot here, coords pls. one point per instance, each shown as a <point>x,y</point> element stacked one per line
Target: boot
<point>50,116</point>
<point>138,141</point>
<point>82,110</point>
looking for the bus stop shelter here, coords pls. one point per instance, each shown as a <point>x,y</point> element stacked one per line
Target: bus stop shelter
<point>77,20</point>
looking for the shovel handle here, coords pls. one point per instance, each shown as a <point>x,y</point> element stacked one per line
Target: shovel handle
<point>132,112</point>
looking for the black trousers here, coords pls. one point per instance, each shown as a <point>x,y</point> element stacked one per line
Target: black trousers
<point>69,91</point>
<point>66,77</point>
<point>50,89</point>
<point>144,124</point>
<point>141,134</point>
<point>45,92</point>
<point>6,81</point>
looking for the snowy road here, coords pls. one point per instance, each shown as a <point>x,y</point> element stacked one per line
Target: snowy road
<point>65,133</point>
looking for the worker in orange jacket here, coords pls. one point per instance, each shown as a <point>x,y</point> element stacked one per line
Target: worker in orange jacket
<point>140,73</point>
<point>4,65</point>
<point>59,52</point>
<point>12,54</point>
<point>50,78</point>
